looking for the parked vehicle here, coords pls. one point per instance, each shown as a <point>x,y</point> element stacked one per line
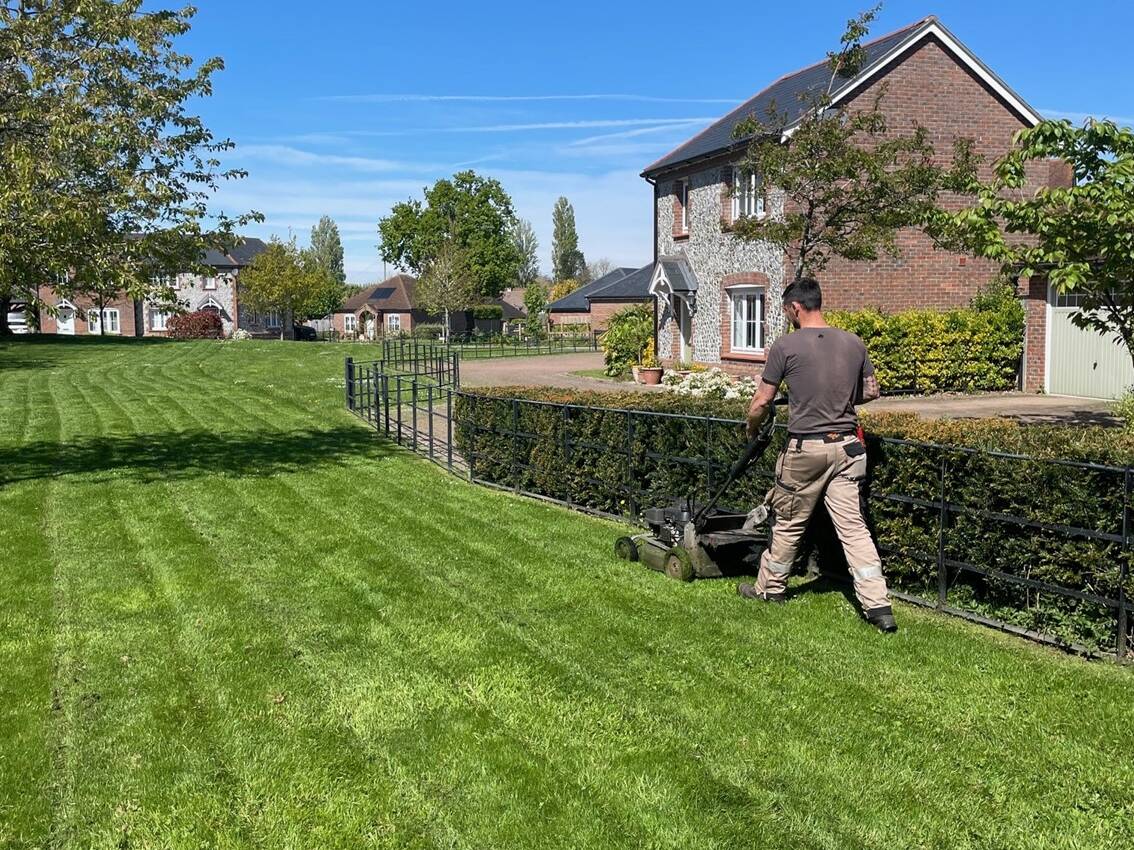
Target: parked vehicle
<point>305,332</point>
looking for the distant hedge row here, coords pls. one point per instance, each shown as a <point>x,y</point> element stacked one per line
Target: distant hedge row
<point>927,351</point>
<point>607,452</point>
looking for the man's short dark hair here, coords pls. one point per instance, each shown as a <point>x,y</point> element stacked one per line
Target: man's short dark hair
<point>806,293</point>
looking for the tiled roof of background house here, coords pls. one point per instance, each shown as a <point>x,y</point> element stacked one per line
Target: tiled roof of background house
<point>576,302</point>
<point>394,294</point>
<point>633,287</point>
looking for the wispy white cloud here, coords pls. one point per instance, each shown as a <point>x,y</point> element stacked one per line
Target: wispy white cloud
<point>514,98</point>
<point>284,155</point>
<point>1080,117</point>
<point>639,131</point>
<point>580,124</point>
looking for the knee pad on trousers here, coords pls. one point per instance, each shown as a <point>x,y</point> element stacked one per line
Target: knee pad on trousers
<point>867,572</point>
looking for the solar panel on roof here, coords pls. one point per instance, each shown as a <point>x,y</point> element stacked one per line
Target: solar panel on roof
<point>381,293</point>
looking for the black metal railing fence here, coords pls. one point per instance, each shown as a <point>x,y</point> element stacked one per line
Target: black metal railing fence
<point>978,534</point>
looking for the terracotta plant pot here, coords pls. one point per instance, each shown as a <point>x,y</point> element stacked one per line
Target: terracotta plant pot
<point>650,376</point>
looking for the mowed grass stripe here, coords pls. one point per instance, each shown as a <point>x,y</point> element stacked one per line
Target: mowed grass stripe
<point>26,629</point>
<point>413,536</point>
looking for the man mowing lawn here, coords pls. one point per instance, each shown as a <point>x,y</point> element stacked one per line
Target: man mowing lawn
<point>828,372</point>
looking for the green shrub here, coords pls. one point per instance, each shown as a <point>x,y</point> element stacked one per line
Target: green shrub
<point>488,311</point>
<point>627,335</point>
<point>428,330</point>
<point>1123,408</point>
<point>620,459</point>
<point>929,351</point>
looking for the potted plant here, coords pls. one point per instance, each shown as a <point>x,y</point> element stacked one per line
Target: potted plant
<point>649,371</point>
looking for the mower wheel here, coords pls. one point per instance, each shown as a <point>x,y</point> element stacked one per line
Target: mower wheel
<point>678,564</point>
<point>626,549</point>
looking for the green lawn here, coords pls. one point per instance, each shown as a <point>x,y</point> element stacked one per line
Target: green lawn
<point>232,617</point>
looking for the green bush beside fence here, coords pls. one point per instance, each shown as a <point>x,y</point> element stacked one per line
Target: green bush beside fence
<point>1006,516</point>
<point>978,348</point>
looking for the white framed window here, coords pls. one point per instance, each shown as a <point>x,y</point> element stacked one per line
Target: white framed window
<point>747,318</point>
<point>350,323</point>
<point>271,319</point>
<point>159,319</point>
<point>166,281</point>
<point>210,282</point>
<point>393,322</point>
<point>112,323</point>
<point>747,195</point>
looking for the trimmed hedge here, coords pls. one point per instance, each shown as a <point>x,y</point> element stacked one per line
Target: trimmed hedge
<point>621,462</point>
<point>930,351</point>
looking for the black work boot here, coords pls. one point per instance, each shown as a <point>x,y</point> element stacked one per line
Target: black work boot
<point>882,618</point>
<point>749,591</point>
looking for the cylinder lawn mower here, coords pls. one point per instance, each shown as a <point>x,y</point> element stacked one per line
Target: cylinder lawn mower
<point>688,541</point>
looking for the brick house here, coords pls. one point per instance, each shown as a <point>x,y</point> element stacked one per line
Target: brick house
<point>718,295</point>
<point>594,303</point>
<point>217,291</point>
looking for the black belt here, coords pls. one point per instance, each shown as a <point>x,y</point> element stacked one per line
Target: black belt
<point>825,436</point>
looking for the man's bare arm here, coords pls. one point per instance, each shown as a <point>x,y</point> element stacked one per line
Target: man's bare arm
<point>761,405</point>
<point>870,390</point>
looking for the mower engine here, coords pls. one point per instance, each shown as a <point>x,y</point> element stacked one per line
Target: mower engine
<point>685,543</point>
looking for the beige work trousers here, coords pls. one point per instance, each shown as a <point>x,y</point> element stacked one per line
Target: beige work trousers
<point>806,472</point>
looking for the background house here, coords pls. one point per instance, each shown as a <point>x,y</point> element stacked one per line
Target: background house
<point>594,303</point>
<point>217,292</point>
<point>719,295</point>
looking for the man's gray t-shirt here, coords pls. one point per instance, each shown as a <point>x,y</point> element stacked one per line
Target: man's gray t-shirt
<point>824,369</point>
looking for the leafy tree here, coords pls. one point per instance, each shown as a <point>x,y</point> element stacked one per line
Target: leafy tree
<point>327,253</point>
<point>1081,236</point>
<point>847,184</point>
<point>563,289</point>
<point>327,248</point>
<point>445,285</point>
<point>596,269</point>
<point>286,279</point>
<point>524,238</point>
<point>535,302</point>
<point>473,212</point>
<point>629,333</point>
<point>107,176</point>
<point>566,258</point>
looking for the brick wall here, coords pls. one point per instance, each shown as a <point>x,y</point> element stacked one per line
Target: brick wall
<point>932,89</point>
<point>601,311</point>
<point>1035,333</point>
<point>50,324</point>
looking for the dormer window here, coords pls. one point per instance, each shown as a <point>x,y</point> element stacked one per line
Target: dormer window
<point>747,195</point>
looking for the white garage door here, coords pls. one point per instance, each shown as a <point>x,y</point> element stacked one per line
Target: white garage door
<point>1082,362</point>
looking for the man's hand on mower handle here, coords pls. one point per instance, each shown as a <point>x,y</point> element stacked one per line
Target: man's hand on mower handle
<point>760,408</point>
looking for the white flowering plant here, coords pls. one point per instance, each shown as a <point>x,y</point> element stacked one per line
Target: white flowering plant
<point>241,333</point>
<point>712,383</point>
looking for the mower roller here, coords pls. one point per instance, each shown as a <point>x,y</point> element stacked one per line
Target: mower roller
<point>687,541</point>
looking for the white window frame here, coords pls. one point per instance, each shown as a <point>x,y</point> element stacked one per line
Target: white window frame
<point>740,297</point>
<point>210,282</point>
<point>350,323</point>
<point>683,199</point>
<point>748,200</point>
<point>113,321</point>
<point>159,319</point>
<point>272,319</point>
<point>393,322</point>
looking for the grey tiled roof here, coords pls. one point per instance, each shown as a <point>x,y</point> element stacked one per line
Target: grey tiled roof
<point>576,302</point>
<point>633,287</point>
<point>786,96</point>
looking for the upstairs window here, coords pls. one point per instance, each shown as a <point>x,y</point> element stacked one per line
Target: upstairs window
<point>210,282</point>
<point>747,195</point>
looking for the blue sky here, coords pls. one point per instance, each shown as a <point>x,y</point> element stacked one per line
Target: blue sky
<point>344,109</point>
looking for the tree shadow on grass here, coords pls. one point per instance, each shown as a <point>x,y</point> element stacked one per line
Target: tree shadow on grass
<point>178,455</point>
<point>45,351</point>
